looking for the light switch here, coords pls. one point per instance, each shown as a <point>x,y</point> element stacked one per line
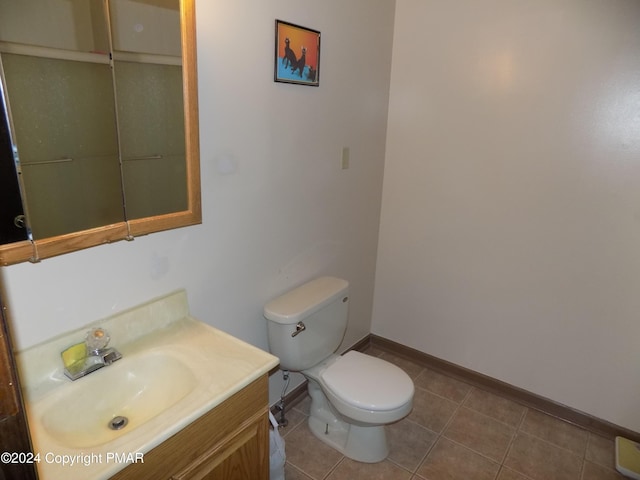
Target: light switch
<point>345,158</point>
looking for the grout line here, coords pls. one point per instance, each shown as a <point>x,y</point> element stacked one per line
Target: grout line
<point>514,434</point>
<point>295,467</point>
<point>490,417</point>
<point>433,444</point>
<point>586,450</point>
<point>513,439</point>
<point>332,469</point>
<point>516,430</point>
<point>291,428</point>
<point>438,395</point>
<point>525,409</point>
<point>455,412</point>
<point>525,398</point>
<point>424,457</point>
<point>552,444</point>
<point>509,469</point>
<point>393,462</point>
<point>566,450</point>
<point>462,405</point>
<point>584,462</point>
<point>402,467</point>
<point>610,466</point>
<point>467,447</point>
<point>442,435</point>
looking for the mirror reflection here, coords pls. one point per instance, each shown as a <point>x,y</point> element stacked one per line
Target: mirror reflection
<point>12,217</point>
<point>95,102</point>
<point>148,79</point>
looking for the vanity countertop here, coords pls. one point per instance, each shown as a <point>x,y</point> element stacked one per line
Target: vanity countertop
<point>215,365</point>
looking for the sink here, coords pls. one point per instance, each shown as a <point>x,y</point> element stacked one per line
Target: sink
<point>174,369</point>
<point>138,388</point>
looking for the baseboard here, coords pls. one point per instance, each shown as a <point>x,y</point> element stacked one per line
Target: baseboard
<point>362,344</point>
<point>524,397</point>
<point>519,395</point>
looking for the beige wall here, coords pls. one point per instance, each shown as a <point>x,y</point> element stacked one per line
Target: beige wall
<point>510,231</point>
<point>278,209</point>
<point>510,221</point>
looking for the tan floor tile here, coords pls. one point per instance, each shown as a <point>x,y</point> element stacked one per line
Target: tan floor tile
<point>450,461</point>
<point>597,472</point>
<point>601,450</point>
<point>351,470</point>
<point>555,431</point>
<point>541,460</point>
<point>292,473</point>
<point>480,433</point>
<point>497,407</point>
<point>431,411</point>
<point>506,474</point>
<point>409,443</point>
<point>412,369</point>
<point>309,454</point>
<point>294,418</point>
<point>474,432</point>
<point>442,385</point>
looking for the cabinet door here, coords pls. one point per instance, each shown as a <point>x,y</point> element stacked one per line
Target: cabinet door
<point>241,456</point>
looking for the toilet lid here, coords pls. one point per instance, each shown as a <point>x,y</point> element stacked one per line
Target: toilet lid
<point>368,382</point>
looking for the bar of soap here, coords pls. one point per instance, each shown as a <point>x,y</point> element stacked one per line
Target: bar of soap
<point>74,354</point>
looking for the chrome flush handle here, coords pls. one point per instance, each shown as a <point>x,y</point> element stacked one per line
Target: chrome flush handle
<point>300,327</point>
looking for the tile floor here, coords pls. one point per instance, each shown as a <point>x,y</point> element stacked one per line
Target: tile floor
<point>457,432</point>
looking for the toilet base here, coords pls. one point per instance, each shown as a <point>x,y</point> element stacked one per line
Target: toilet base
<point>363,444</point>
<point>366,444</point>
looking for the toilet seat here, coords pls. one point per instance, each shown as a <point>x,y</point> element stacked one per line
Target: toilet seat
<point>368,382</point>
<point>367,388</point>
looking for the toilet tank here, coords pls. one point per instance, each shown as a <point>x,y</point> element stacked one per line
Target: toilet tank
<point>322,305</point>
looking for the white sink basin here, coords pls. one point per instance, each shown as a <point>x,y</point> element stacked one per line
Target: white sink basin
<point>138,388</point>
<point>173,370</point>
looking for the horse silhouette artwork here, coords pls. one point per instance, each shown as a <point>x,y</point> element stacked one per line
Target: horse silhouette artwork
<point>297,58</point>
<point>311,74</point>
<point>300,64</point>
<point>289,58</point>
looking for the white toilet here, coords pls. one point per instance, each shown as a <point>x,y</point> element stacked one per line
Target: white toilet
<point>352,396</point>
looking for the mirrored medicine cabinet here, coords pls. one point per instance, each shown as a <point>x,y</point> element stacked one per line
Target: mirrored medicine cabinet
<point>98,123</point>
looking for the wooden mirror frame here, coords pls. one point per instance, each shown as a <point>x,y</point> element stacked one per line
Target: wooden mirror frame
<point>36,250</point>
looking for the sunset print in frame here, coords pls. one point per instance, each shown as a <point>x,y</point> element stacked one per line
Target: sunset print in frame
<point>297,54</point>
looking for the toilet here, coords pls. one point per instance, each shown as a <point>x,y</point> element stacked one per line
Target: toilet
<point>352,395</point>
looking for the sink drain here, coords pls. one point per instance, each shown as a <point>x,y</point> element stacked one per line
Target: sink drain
<point>118,423</point>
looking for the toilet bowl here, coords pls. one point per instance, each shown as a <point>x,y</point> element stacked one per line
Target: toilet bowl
<point>352,395</point>
<point>363,388</point>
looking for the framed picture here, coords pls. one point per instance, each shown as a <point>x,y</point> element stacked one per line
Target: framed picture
<point>297,54</point>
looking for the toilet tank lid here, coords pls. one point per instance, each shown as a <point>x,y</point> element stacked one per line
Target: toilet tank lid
<point>305,300</point>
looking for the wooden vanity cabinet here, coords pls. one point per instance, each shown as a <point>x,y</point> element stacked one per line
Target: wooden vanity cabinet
<point>231,442</point>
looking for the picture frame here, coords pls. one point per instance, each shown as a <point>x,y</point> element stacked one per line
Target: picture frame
<point>297,55</point>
